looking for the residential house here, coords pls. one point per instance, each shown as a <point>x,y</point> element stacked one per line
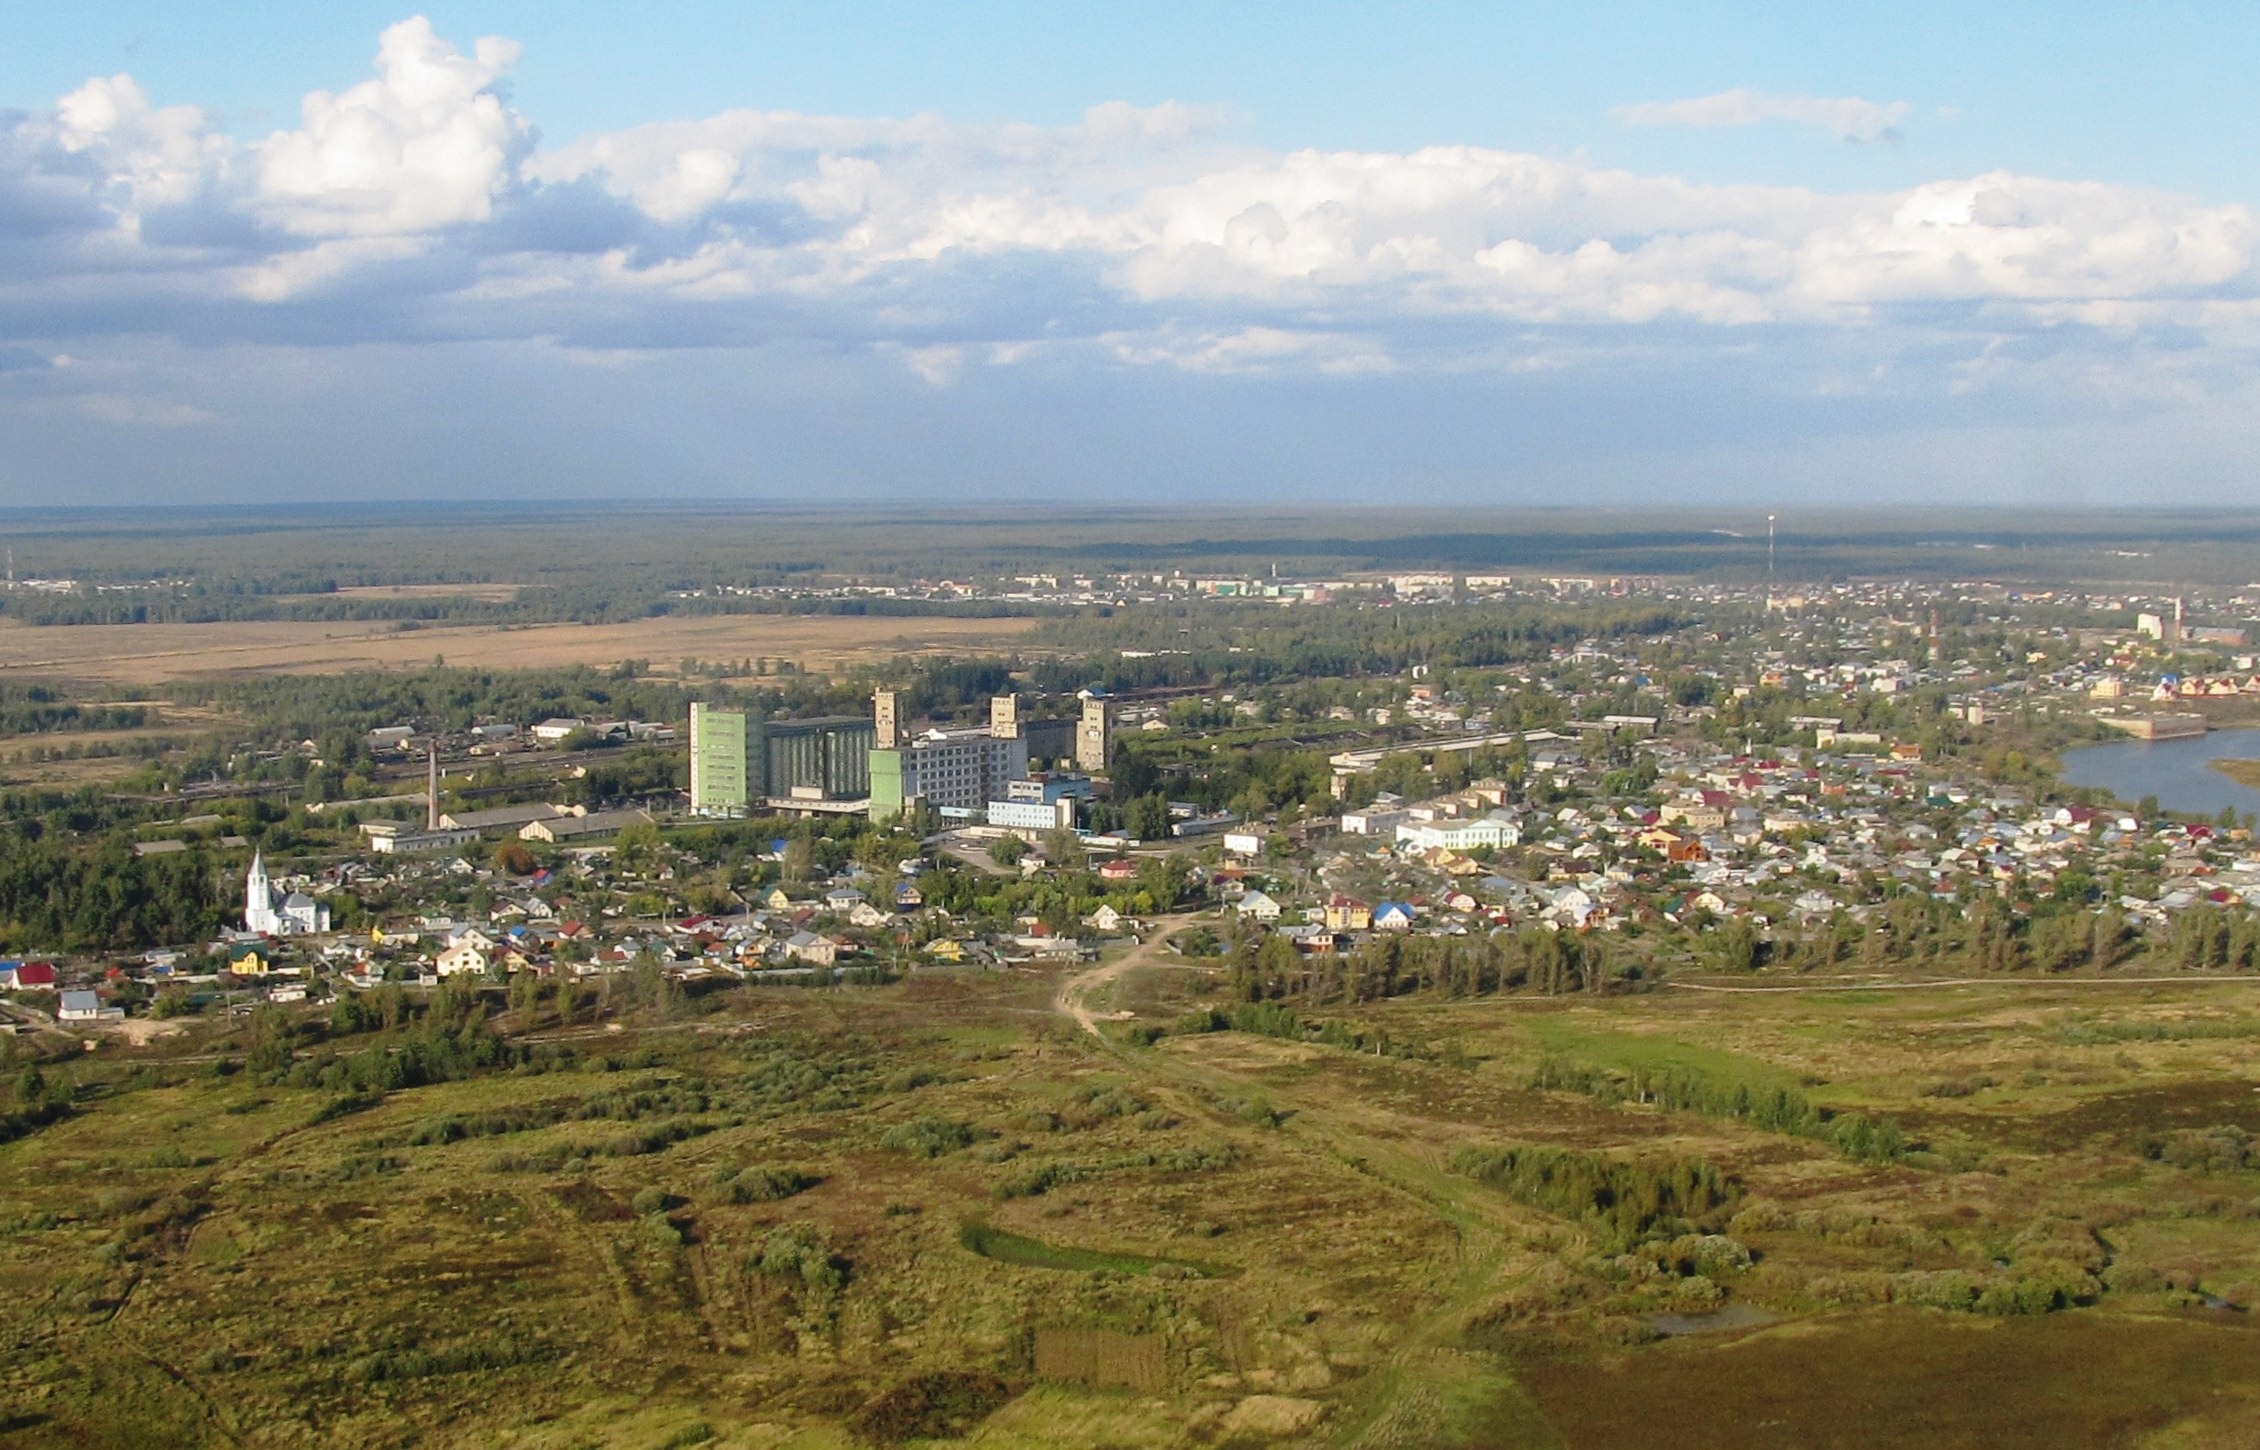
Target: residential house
<point>27,976</point>
<point>463,957</point>
<point>1257,906</point>
<point>86,1007</point>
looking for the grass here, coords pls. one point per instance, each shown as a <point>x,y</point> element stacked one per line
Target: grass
<point>2243,772</point>
<point>148,654</point>
<point>1922,1381</point>
<point>1011,1248</point>
<point>205,1262</point>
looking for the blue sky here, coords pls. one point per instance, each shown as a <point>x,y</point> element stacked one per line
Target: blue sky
<point>1514,253</point>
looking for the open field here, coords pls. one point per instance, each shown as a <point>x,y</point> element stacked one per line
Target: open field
<point>945,1211</point>
<point>150,654</point>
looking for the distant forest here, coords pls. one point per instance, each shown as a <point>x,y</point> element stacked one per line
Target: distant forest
<point>601,565</point>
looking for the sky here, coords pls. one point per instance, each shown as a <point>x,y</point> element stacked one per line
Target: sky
<point>1503,254</point>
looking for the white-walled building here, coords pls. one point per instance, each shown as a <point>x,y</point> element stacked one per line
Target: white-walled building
<point>272,914</point>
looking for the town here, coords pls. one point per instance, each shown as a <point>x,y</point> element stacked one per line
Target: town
<point>1751,779</point>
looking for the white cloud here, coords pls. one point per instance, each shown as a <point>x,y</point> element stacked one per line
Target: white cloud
<point>128,411</point>
<point>1848,118</point>
<point>159,156</point>
<point>424,144</point>
<point>414,204</point>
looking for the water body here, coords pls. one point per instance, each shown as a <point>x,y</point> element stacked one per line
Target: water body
<point>2176,771</point>
<point>1728,1316</point>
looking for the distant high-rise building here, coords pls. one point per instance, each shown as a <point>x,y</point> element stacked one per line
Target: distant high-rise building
<point>886,720</point>
<point>958,772</point>
<point>740,764</point>
<point>720,762</point>
<point>829,757</point>
<point>1094,734</point>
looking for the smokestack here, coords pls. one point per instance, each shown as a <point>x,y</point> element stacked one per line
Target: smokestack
<point>431,787</point>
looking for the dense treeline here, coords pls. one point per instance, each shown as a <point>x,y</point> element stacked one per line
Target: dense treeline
<point>38,709</point>
<point>1215,645</point>
<point>1773,1110</point>
<point>631,600</point>
<point>55,894</point>
<point>1391,965</point>
<point>1622,1202</point>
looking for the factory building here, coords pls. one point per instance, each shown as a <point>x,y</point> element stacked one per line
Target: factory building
<point>957,772</point>
<point>1094,733</point>
<point>741,765</point>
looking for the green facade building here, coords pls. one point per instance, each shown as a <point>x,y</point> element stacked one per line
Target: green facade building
<point>739,764</point>
<point>719,762</point>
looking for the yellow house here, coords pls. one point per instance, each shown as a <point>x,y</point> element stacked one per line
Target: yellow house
<point>1347,913</point>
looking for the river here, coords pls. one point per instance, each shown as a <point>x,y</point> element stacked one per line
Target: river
<point>2175,771</point>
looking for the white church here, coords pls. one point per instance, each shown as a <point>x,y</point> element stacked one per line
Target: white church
<point>270,915</point>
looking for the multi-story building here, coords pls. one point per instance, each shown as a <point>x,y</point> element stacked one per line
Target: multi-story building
<point>828,757</point>
<point>740,764</point>
<point>1040,804</point>
<point>1094,734</point>
<point>719,761</point>
<point>958,772</point>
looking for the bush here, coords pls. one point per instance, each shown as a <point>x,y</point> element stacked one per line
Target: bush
<point>763,1185</point>
<point>1625,1201</point>
<point>944,1406</point>
<point>929,1137</point>
<point>2223,1148</point>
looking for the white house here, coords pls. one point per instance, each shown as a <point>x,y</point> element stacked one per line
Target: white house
<point>462,957</point>
<point>1446,835</point>
<point>1246,840</point>
<point>1257,906</point>
<point>86,1007</point>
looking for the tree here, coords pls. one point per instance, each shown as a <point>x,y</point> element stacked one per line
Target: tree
<point>1062,847</point>
<point>637,848</point>
<point>1007,850</point>
<point>1162,879</point>
<point>1148,818</point>
<point>514,858</point>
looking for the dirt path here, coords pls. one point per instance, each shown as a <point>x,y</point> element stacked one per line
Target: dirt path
<point>1074,997</point>
<point>1426,1391</point>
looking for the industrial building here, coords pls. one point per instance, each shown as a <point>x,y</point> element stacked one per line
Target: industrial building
<point>957,772</point>
<point>1094,733</point>
<point>741,765</point>
<point>1040,804</point>
<point>719,761</point>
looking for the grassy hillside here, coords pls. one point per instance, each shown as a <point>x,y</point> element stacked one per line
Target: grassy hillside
<point>940,1212</point>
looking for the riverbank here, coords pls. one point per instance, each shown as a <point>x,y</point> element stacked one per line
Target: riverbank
<point>2188,775</point>
<point>2243,772</point>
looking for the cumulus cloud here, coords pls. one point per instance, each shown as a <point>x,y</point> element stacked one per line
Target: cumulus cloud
<point>1848,118</point>
<point>424,144</point>
<point>416,205</point>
